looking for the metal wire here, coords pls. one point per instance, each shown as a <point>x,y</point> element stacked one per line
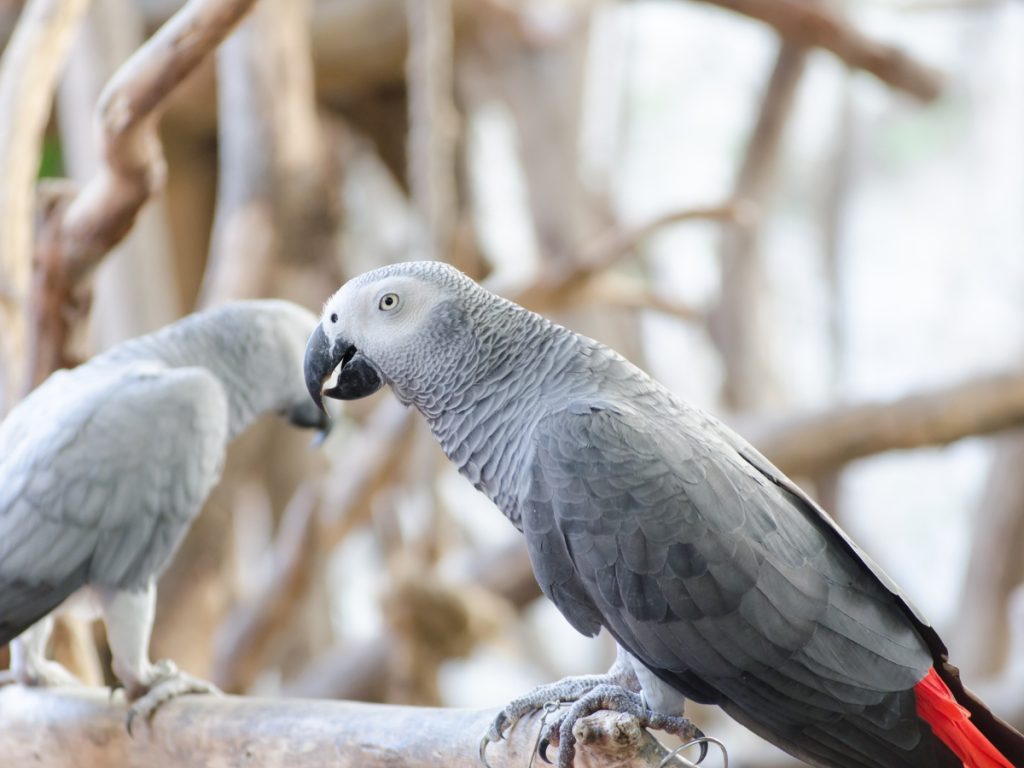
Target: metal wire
<point>674,754</point>
<point>550,708</point>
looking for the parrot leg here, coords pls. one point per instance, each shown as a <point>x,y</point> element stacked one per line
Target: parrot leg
<point>129,620</point>
<point>566,690</point>
<point>29,665</point>
<point>617,699</point>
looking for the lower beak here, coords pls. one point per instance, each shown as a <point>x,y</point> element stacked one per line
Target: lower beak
<point>357,378</point>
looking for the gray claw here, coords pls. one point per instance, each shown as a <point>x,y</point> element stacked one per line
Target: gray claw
<point>483,749</point>
<point>128,721</point>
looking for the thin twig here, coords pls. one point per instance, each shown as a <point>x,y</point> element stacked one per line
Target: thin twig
<point>815,25</point>
<point>604,252</point>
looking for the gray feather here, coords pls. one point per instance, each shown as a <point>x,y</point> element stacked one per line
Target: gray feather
<point>103,467</point>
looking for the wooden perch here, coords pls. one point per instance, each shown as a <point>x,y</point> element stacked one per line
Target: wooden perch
<point>815,25</point>
<point>29,69</point>
<point>80,228</point>
<point>84,729</point>
<point>816,442</point>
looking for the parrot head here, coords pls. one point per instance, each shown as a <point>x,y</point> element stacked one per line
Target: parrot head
<point>267,339</point>
<point>399,325</point>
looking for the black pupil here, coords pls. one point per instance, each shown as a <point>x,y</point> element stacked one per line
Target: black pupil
<point>334,317</point>
<point>389,300</point>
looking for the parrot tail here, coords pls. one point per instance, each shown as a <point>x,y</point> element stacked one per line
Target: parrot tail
<point>952,725</point>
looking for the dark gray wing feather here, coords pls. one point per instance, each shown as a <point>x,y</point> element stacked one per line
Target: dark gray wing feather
<point>101,470</point>
<point>724,582</point>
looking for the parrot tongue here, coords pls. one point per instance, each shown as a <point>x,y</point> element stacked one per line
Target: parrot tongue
<point>331,381</point>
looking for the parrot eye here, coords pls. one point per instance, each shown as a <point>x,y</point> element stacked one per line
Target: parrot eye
<point>388,301</point>
<point>334,317</point>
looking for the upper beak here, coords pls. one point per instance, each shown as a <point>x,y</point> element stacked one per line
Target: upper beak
<point>321,359</point>
<point>358,376</point>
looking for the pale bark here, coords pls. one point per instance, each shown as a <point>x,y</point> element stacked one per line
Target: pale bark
<point>560,283</point>
<point>135,290</point>
<point>738,322</point>
<point>276,201</point>
<point>31,63</point>
<point>816,25</point>
<point>541,82</point>
<point>432,122</point>
<point>79,228</point>
<point>85,729</point>
<point>980,636</point>
<point>812,443</point>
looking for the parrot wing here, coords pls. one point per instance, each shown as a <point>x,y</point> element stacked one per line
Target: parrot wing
<point>101,471</point>
<point>726,584</point>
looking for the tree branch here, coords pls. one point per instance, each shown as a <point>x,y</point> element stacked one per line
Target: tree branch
<point>432,121</point>
<point>84,729</point>
<point>737,323</point>
<point>813,25</point>
<point>81,227</point>
<point>981,635</point>
<point>29,69</point>
<point>816,442</point>
<point>569,275</point>
<point>276,198</point>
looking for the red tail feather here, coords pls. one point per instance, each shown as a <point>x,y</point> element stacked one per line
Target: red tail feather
<point>952,724</point>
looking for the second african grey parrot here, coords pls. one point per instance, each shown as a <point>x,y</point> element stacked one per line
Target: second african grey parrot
<point>104,466</point>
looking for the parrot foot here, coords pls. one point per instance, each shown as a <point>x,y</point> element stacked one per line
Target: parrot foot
<point>40,673</point>
<point>617,699</point>
<point>566,690</point>
<point>166,682</point>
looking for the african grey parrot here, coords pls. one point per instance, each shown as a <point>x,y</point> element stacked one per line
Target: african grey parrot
<point>720,580</point>
<point>104,466</point>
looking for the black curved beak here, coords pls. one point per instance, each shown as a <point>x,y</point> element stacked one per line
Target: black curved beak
<point>357,378</point>
<point>306,415</point>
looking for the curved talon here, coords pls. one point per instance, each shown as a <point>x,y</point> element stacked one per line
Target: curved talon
<point>128,721</point>
<point>703,749</point>
<point>542,750</point>
<point>483,749</point>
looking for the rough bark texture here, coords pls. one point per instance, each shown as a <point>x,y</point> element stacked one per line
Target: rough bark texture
<point>84,729</point>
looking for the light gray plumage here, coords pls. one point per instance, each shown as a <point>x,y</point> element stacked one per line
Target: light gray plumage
<point>648,517</point>
<point>104,466</point>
